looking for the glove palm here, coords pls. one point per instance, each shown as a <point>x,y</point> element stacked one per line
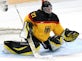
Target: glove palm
<point>70,35</point>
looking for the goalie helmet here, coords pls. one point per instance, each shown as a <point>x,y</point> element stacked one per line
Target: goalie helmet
<point>46,7</point>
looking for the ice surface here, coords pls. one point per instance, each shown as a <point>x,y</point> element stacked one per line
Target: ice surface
<point>70,15</point>
<point>67,49</point>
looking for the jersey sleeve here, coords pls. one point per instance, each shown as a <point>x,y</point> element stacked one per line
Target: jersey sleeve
<point>58,29</point>
<point>30,17</point>
<point>27,18</point>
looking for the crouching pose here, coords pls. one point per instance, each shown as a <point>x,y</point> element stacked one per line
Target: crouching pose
<point>41,23</point>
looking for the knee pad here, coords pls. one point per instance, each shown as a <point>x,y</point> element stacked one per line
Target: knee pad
<point>56,42</point>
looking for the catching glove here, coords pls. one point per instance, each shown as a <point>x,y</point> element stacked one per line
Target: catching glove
<point>69,35</point>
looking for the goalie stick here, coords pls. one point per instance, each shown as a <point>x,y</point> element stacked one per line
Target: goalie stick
<point>18,14</point>
<point>36,53</point>
<point>32,46</point>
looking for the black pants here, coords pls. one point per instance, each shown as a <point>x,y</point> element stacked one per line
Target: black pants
<point>45,44</point>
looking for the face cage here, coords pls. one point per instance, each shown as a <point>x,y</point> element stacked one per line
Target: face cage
<point>47,9</point>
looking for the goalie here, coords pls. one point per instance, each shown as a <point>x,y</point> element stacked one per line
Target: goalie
<point>41,23</point>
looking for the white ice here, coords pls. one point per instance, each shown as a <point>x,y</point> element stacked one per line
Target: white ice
<point>69,13</point>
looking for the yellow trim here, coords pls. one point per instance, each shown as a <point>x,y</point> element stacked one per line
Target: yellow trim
<point>26,53</point>
<point>57,45</point>
<point>9,49</point>
<point>70,38</point>
<point>18,49</point>
<point>26,28</point>
<point>33,14</point>
<point>29,53</point>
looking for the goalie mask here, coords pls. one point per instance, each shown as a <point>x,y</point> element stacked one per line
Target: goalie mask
<point>46,7</point>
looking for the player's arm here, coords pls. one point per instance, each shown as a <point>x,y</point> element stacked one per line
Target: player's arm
<point>67,35</point>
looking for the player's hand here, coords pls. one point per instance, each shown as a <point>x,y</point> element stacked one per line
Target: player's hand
<point>70,35</point>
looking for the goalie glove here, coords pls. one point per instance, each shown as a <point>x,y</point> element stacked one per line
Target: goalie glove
<point>69,35</point>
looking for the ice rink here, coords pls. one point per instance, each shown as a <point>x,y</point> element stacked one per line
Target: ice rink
<point>70,15</point>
